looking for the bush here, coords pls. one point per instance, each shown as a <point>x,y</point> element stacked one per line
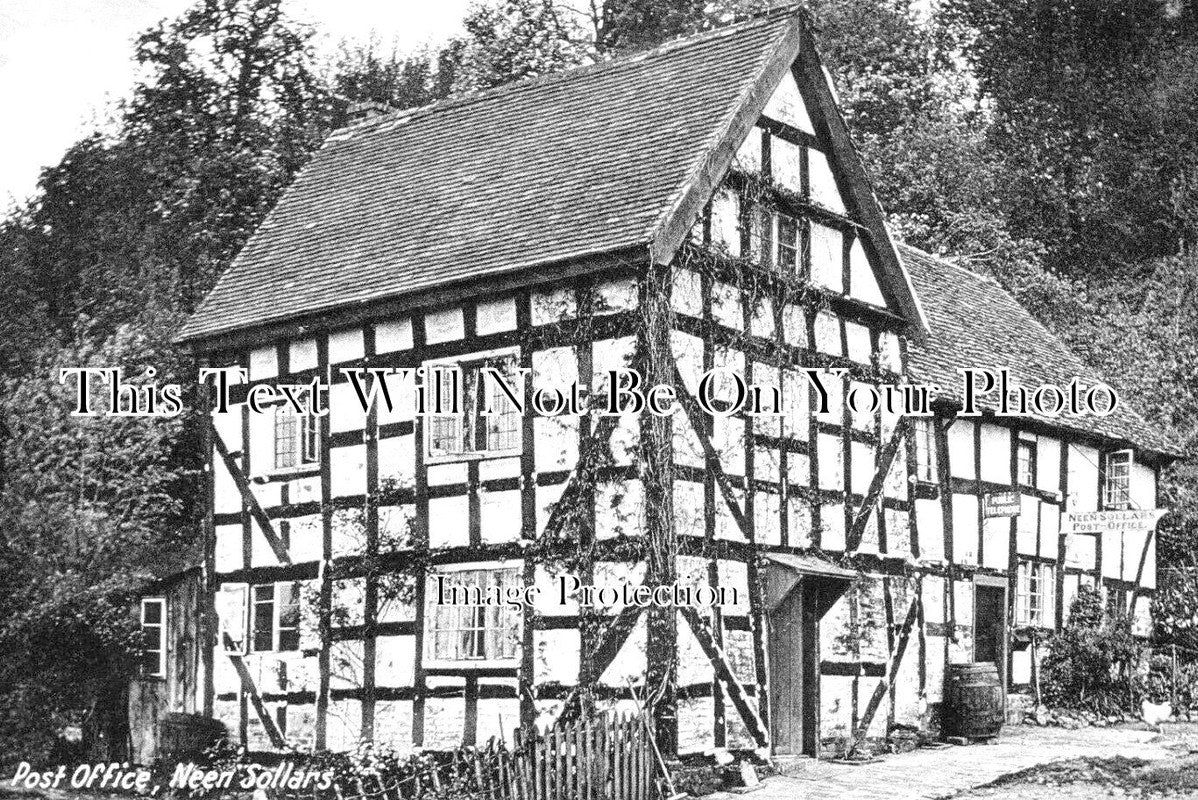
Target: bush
<point>1091,663</point>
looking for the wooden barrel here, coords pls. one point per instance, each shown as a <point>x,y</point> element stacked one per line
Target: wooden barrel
<point>973,701</point>
<point>185,737</point>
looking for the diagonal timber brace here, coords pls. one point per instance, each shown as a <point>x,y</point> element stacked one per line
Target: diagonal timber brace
<point>892,668</point>
<point>868,506</point>
<point>583,476</point>
<point>610,641</point>
<point>247,686</point>
<point>723,670</point>
<point>695,415</point>
<point>251,502</point>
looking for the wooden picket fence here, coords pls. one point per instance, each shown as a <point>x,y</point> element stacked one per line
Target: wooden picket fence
<point>608,757</point>
<point>609,760</point>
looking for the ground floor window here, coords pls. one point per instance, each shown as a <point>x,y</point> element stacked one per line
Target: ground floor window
<point>153,637</point>
<point>463,624</point>
<point>274,617</point>
<point>1034,595</point>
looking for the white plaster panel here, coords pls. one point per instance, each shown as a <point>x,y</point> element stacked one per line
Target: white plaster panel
<point>446,325</point>
<point>824,191</point>
<point>302,355</point>
<point>347,470</point>
<point>448,522</point>
<point>786,105</point>
<point>393,335</point>
<point>686,296</point>
<point>863,283</point>
<point>725,222</point>
<point>996,454</point>
<point>496,316</point>
<point>264,363</point>
<point>346,345</point>
<point>786,164</point>
<point>827,257</point>
<point>499,514</point>
<point>553,306</point>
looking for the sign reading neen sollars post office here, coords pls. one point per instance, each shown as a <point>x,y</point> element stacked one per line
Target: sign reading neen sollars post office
<point>1100,522</point>
<point>1001,504</point>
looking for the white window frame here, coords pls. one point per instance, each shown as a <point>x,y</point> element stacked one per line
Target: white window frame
<point>923,435</point>
<point>307,439</point>
<point>465,424</point>
<point>276,614</point>
<point>1043,592</point>
<point>1109,490</point>
<point>507,618</point>
<point>1031,461</point>
<point>146,602</point>
<point>766,247</point>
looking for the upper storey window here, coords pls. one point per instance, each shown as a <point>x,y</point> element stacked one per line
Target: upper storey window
<point>297,439</point>
<point>1116,480</point>
<point>488,423</point>
<point>924,434</point>
<point>1026,463</point>
<point>776,240</point>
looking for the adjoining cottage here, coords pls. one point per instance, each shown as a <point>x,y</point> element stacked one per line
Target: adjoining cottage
<point>695,206</point>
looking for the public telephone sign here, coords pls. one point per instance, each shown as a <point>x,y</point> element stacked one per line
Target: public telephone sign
<point>1002,504</point>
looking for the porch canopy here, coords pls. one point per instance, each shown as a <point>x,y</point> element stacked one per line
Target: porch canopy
<point>784,571</point>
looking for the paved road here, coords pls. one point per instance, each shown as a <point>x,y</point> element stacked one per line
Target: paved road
<point>943,772</point>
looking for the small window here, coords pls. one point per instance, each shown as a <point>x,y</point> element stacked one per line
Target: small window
<point>924,433</point>
<point>472,431</point>
<point>470,629</point>
<point>1035,587</point>
<point>1116,480</point>
<point>297,438</point>
<point>776,240</point>
<point>153,637</point>
<point>274,617</point>
<point>1116,602</point>
<point>1026,463</point>
<point>789,244</point>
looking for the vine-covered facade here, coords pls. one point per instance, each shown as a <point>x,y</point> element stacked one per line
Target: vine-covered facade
<point>698,207</point>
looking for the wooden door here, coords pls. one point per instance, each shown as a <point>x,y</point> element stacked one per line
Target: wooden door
<point>787,643</point>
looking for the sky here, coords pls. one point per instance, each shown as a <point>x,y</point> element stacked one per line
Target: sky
<point>62,62</point>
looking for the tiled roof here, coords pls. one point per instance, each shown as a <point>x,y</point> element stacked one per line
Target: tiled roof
<point>584,162</point>
<point>975,323</point>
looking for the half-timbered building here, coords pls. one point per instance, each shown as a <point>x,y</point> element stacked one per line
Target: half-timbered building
<point>694,207</point>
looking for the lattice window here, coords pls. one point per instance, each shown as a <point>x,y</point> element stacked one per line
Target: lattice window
<point>470,629</point>
<point>923,431</point>
<point>472,431</point>
<point>1116,480</point>
<point>297,438</point>
<point>1025,463</point>
<point>1035,588</point>
<point>274,617</point>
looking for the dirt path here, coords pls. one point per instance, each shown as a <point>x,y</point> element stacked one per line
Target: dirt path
<point>952,771</point>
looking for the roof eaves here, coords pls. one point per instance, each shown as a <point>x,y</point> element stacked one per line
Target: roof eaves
<point>521,274</point>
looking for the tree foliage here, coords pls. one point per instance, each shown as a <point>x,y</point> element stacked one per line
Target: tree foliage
<point>1090,664</point>
<point>1049,144</point>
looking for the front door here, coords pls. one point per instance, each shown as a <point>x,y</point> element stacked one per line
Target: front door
<point>793,688</point>
<point>990,624</point>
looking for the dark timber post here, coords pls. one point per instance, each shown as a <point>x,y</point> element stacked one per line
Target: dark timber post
<point>657,459</point>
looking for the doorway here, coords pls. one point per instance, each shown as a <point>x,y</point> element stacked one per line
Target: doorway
<point>794,678</point>
<point>990,624</point>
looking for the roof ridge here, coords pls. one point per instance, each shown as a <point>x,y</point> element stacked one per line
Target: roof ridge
<point>948,262</point>
<point>406,115</point>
